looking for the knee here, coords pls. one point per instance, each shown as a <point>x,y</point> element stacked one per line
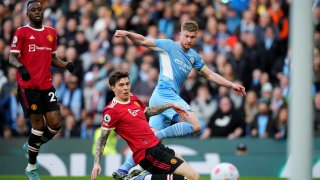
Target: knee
<point>55,125</point>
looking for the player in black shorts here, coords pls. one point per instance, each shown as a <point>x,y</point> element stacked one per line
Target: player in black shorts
<point>33,50</point>
<point>126,115</point>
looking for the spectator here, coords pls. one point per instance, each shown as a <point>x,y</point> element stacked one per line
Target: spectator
<point>276,101</point>
<point>262,124</point>
<point>280,127</point>
<point>250,111</point>
<point>70,128</point>
<point>87,128</point>
<point>143,89</point>
<point>59,84</point>
<point>226,122</point>
<point>166,24</point>
<point>72,99</point>
<point>204,105</point>
<point>241,149</point>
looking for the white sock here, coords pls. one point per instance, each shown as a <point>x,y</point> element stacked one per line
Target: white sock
<point>148,177</point>
<point>31,167</point>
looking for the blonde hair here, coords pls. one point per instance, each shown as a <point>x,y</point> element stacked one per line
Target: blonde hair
<point>190,26</point>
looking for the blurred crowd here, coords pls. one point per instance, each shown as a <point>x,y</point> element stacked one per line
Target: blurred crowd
<point>244,41</point>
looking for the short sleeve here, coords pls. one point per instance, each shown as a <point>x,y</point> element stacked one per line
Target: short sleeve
<point>163,44</point>
<point>17,41</point>
<point>109,119</point>
<point>198,63</point>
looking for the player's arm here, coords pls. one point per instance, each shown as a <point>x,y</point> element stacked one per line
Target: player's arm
<point>216,78</point>
<point>100,144</point>
<point>137,39</point>
<point>57,62</point>
<point>151,111</point>
<point>14,60</point>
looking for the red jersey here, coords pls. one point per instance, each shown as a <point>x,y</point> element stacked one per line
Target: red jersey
<point>129,121</point>
<point>35,47</point>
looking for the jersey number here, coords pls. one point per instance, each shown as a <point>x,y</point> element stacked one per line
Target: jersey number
<point>52,96</point>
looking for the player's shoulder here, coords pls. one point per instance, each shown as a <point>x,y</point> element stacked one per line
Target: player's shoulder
<point>133,97</point>
<point>23,28</point>
<point>111,105</point>
<point>49,28</point>
<point>164,41</point>
<point>193,51</point>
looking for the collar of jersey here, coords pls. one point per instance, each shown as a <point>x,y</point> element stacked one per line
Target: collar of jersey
<point>36,29</point>
<point>121,102</point>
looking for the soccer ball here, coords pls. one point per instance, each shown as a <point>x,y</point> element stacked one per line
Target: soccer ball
<point>225,171</point>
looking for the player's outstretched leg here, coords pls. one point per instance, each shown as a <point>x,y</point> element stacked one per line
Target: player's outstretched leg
<point>119,174</point>
<point>124,168</point>
<point>176,130</point>
<point>136,172</point>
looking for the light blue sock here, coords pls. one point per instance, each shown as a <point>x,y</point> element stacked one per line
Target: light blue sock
<point>176,130</point>
<point>126,166</point>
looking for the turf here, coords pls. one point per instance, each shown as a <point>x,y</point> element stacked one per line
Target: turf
<point>109,178</point>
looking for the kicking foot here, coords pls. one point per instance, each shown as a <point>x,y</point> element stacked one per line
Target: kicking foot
<point>139,176</point>
<point>119,174</point>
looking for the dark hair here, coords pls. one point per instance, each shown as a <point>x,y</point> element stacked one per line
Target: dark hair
<point>32,1</point>
<point>191,26</point>
<point>116,76</point>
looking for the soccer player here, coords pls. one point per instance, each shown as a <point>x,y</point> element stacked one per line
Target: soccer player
<point>126,114</point>
<point>33,50</point>
<point>176,61</point>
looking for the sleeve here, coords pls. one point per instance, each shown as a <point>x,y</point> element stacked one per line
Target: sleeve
<point>198,63</point>
<point>109,119</point>
<point>163,44</point>
<point>17,41</point>
<point>55,42</point>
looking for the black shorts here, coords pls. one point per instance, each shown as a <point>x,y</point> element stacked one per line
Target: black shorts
<point>160,160</point>
<point>34,101</point>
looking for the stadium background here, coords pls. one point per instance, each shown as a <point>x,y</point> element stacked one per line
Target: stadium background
<point>244,41</point>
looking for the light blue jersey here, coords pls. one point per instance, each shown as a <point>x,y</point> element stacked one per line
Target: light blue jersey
<point>175,65</point>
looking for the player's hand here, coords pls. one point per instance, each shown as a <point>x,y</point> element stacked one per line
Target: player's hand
<point>70,67</point>
<point>120,33</point>
<point>239,89</point>
<point>183,113</point>
<point>95,171</point>
<point>24,73</point>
